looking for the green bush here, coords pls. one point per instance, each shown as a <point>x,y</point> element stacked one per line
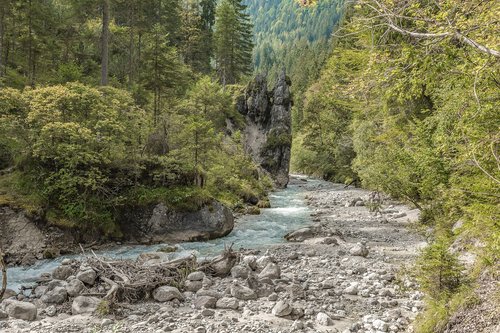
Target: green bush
<point>439,271</point>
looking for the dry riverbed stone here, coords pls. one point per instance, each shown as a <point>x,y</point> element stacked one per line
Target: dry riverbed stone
<point>167,293</point>
<point>20,310</point>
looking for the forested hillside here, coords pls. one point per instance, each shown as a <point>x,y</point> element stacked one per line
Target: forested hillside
<point>293,37</point>
<point>408,104</point>
<point>108,103</point>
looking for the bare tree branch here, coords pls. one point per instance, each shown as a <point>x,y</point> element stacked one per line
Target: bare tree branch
<point>389,16</point>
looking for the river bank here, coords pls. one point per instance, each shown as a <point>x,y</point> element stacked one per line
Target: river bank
<point>345,273</point>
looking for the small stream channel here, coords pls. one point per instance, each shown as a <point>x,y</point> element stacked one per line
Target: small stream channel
<point>289,213</point>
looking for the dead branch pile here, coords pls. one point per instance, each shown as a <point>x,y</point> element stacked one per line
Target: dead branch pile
<point>130,281</point>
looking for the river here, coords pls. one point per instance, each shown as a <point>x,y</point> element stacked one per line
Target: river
<point>289,212</point>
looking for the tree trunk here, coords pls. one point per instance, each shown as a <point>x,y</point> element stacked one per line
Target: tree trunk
<point>30,47</point>
<point>105,43</point>
<point>2,17</point>
<point>4,275</point>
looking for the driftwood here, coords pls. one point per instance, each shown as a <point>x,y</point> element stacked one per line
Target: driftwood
<point>131,282</point>
<point>4,275</point>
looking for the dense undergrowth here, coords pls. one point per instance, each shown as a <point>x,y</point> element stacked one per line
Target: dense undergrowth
<point>417,118</point>
<point>78,155</point>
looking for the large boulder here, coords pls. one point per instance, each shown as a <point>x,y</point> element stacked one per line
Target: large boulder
<point>271,271</point>
<point>87,276</point>
<point>159,223</point>
<point>84,305</point>
<point>62,272</point>
<point>205,302</point>
<point>167,293</point>
<point>20,310</point>
<point>75,287</point>
<point>243,293</point>
<point>227,303</point>
<point>58,295</point>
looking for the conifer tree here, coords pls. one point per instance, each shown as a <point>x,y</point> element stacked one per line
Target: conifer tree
<point>233,41</point>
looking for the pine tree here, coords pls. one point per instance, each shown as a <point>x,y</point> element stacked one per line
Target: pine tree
<point>164,72</point>
<point>233,41</point>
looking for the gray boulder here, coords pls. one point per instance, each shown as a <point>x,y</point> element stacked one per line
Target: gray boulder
<point>193,286</point>
<point>359,250</point>
<point>88,276</point>
<point>20,310</point>
<point>196,276</point>
<point>243,293</point>
<point>281,309</point>
<point>3,315</point>
<point>84,305</point>
<point>301,235</point>
<point>205,302</point>
<point>227,303</point>
<point>62,272</point>
<point>40,291</point>
<point>167,293</point>
<point>271,271</point>
<point>75,287</point>
<point>58,295</point>
<point>323,319</point>
<point>160,223</point>
<point>239,272</point>
<point>250,261</point>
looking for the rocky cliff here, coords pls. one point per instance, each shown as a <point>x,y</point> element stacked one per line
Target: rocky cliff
<point>268,134</point>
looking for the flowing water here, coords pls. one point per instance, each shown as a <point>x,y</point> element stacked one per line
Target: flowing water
<point>289,213</point>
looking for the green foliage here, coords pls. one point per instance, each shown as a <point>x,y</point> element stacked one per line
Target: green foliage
<point>82,154</point>
<point>439,270</point>
<point>416,118</point>
<point>232,41</point>
<point>183,199</point>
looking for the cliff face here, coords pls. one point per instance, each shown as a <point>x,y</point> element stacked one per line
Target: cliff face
<point>268,134</point>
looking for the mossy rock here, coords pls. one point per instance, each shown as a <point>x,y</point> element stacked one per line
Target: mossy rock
<point>253,210</point>
<point>264,203</point>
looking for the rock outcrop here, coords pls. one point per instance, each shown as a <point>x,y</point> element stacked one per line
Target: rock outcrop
<point>26,237</point>
<point>159,223</point>
<point>268,134</point>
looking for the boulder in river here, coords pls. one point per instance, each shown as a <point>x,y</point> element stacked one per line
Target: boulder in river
<point>301,235</point>
<point>159,223</point>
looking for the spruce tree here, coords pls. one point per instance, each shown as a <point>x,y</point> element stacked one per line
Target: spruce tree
<point>233,41</point>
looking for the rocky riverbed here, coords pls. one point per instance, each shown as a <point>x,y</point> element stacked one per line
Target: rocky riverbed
<point>344,273</point>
